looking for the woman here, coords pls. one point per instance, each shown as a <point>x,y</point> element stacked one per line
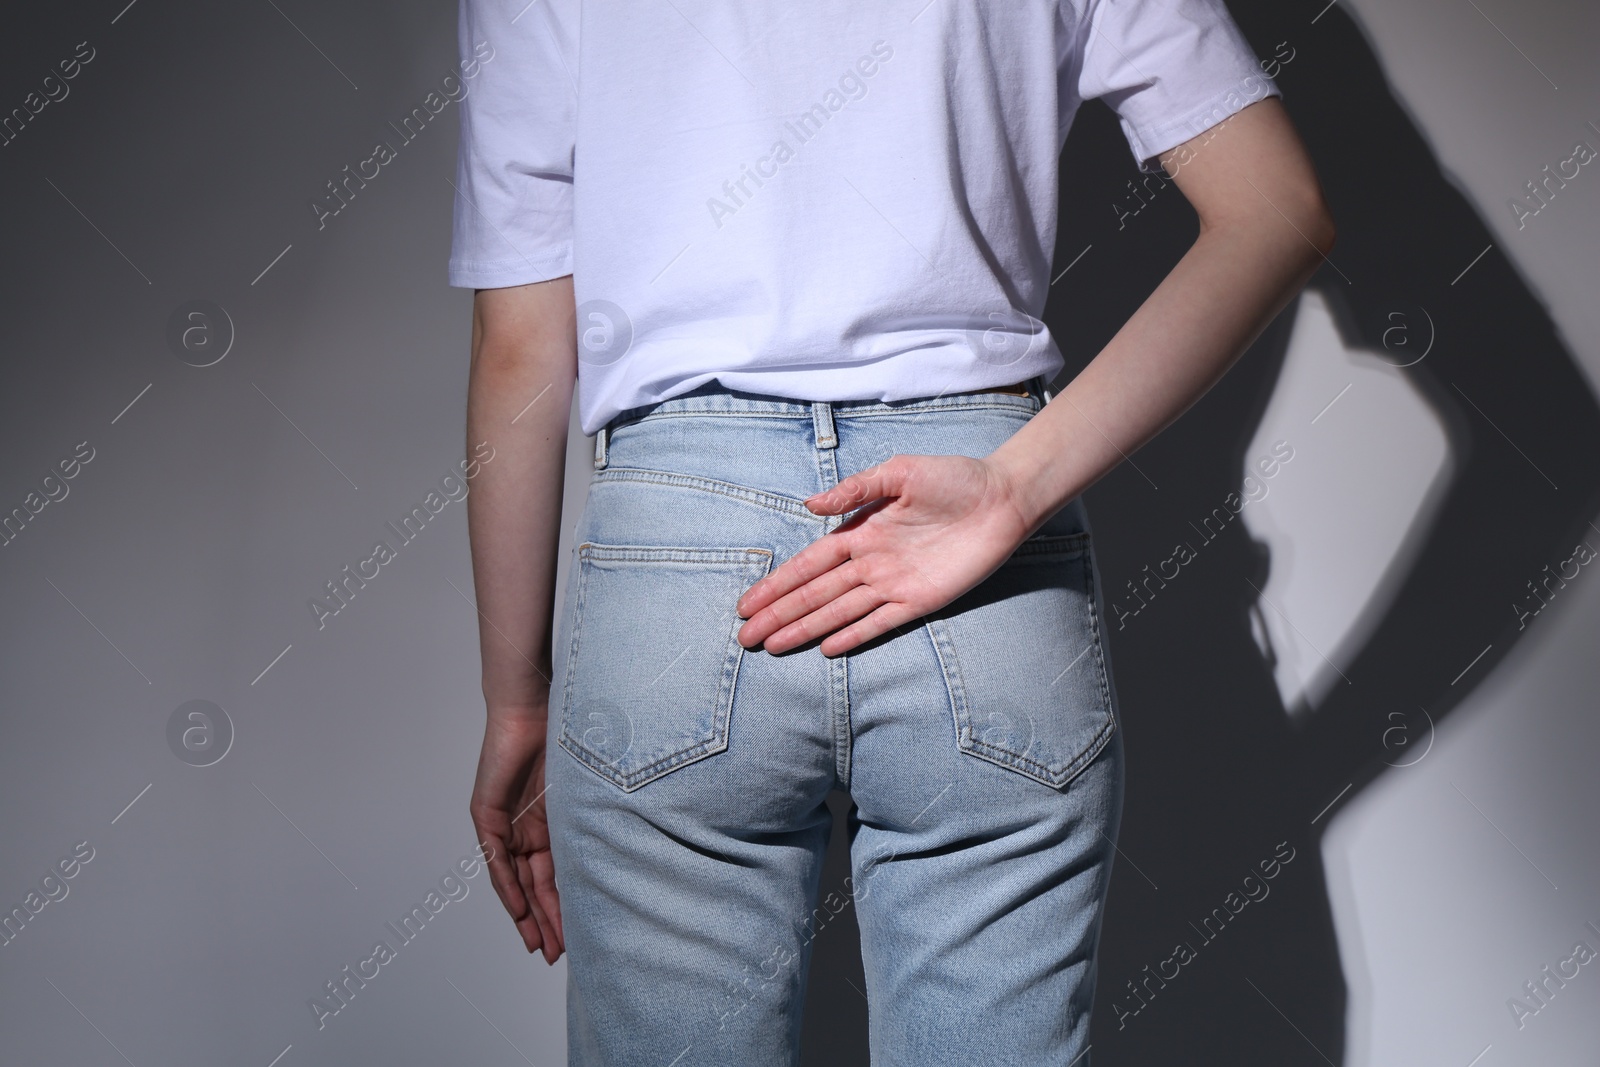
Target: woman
<point>793,258</point>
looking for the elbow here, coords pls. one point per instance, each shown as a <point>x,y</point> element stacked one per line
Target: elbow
<point>1320,229</point>
<point>1312,216</point>
<point>508,362</point>
<point>1310,233</point>
<point>1297,222</point>
<point>523,330</point>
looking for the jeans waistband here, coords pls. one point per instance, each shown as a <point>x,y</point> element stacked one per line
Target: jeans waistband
<point>715,399</point>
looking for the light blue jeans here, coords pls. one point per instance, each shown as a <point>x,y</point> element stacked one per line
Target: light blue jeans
<point>687,776</point>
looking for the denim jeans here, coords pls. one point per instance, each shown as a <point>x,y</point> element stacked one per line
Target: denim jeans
<point>687,776</point>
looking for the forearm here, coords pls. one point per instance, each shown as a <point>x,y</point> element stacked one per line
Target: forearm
<point>519,400</point>
<point>1264,231</point>
<point>1218,298</point>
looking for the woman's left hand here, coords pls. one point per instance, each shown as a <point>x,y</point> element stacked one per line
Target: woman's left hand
<point>936,527</point>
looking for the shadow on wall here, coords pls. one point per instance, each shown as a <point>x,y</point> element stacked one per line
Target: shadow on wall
<point>1229,775</point>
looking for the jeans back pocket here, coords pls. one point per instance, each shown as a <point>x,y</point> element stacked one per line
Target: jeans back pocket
<point>1024,662</point>
<point>653,656</point>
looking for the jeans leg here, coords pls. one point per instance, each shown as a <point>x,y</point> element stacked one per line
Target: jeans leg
<point>979,894</point>
<point>987,775</point>
<point>684,907</point>
<point>688,882</point>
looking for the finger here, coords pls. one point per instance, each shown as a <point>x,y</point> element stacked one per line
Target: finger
<point>504,879</point>
<point>876,623</point>
<point>819,556</point>
<point>835,614</point>
<point>550,907</point>
<point>528,929</point>
<point>884,479</point>
<point>801,602</point>
<point>547,930</point>
<point>545,892</point>
<point>520,908</point>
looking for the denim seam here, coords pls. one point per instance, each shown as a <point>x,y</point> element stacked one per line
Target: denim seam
<point>572,649</point>
<point>1023,407</point>
<point>673,554</point>
<point>760,497</point>
<point>940,642</point>
<point>1099,646</point>
<point>844,748</point>
<point>1003,402</point>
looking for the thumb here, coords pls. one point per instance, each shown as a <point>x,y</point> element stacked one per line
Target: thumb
<point>884,480</point>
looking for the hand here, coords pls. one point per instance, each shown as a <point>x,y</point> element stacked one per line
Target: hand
<point>508,811</point>
<point>938,526</point>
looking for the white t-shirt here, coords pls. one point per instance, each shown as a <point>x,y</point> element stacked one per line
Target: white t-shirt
<point>822,200</point>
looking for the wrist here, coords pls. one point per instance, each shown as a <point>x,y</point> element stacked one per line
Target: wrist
<point>518,702</point>
<point>1026,484</point>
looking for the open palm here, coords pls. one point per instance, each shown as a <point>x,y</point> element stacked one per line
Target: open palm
<point>929,528</point>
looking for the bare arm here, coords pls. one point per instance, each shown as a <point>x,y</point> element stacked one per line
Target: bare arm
<point>519,401</point>
<point>941,524</point>
<point>1264,229</point>
<point>524,351</point>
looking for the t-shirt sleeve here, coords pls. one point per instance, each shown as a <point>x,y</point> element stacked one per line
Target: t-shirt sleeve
<point>512,220</point>
<point>1170,69</point>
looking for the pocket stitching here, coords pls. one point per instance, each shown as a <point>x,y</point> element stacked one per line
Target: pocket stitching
<point>745,494</point>
<point>1065,546</point>
<point>757,560</point>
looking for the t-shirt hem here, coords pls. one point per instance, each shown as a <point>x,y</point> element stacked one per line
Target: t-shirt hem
<point>601,400</point>
<point>501,274</point>
<point>1149,142</point>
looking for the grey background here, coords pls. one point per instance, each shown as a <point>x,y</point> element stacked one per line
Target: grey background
<point>179,565</point>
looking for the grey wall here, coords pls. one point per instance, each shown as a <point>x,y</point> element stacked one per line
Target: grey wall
<point>180,564</point>
<point>1443,856</point>
<point>1468,867</point>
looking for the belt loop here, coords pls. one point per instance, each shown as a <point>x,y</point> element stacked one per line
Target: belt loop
<point>822,423</point>
<point>600,447</point>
